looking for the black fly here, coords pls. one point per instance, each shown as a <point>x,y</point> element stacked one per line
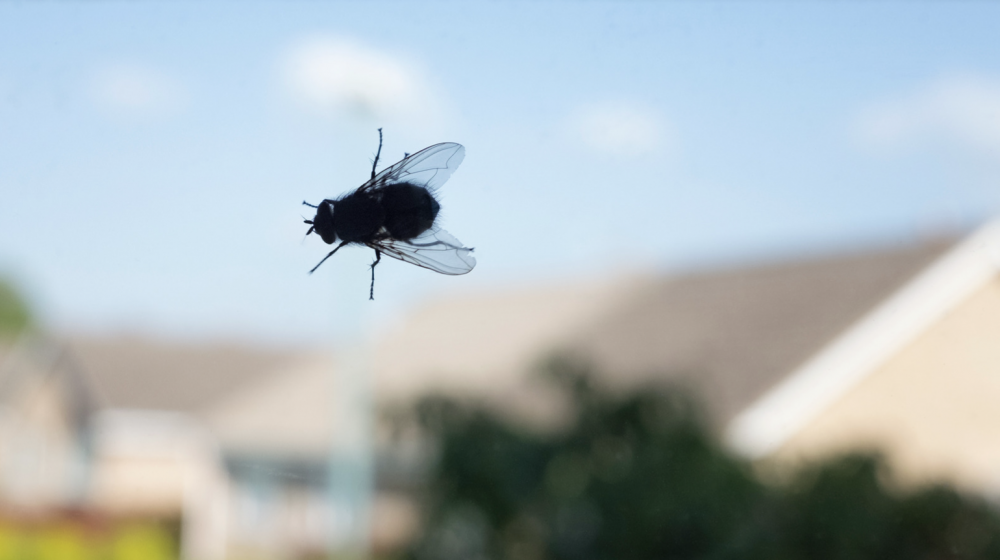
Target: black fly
<point>394,213</point>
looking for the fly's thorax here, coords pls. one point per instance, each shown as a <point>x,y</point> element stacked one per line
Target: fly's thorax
<point>357,217</point>
<point>323,222</point>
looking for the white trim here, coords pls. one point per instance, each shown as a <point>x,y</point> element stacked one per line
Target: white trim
<point>775,417</point>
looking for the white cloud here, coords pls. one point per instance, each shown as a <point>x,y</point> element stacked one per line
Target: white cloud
<point>335,76</point>
<point>963,109</point>
<point>620,129</point>
<point>137,90</point>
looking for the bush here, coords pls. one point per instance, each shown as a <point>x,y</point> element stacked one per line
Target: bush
<point>639,477</point>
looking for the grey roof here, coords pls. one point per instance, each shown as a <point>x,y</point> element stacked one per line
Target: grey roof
<point>136,372</point>
<point>732,334</point>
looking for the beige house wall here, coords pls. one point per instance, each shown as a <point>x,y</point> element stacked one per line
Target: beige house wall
<point>933,410</point>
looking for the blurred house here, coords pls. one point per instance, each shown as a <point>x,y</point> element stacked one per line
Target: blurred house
<point>43,437</point>
<point>133,428</point>
<point>896,349</point>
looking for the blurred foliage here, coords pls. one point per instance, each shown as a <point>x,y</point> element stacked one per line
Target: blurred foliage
<point>637,476</point>
<point>14,312</point>
<point>62,540</point>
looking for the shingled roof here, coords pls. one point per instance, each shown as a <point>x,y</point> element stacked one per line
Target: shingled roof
<point>141,373</point>
<point>732,334</point>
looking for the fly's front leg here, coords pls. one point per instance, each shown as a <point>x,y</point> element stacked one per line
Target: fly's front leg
<point>379,152</point>
<point>371,292</point>
<point>327,256</point>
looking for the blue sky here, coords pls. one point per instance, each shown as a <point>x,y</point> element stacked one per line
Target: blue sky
<point>153,155</point>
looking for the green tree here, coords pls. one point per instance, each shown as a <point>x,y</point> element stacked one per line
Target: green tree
<point>14,313</point>
<point>638,476</point>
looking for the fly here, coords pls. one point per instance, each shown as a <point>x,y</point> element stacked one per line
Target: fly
<point>395,213</point>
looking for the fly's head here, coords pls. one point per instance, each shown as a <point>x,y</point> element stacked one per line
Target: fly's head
<point>322,224</point>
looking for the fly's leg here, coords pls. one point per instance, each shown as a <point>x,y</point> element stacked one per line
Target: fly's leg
<point>328,256</point>
<point>309,205</point>
<point>378,257</point>
<point>379,152</point>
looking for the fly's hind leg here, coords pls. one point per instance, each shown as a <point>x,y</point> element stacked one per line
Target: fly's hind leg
<point>378,257</point>
<point>330,254</point>
<point>378,153</point>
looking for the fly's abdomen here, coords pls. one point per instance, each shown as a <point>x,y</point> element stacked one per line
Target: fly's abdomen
<point>409,210</point>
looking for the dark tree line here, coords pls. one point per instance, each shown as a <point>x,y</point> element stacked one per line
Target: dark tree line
<point>637,477</point>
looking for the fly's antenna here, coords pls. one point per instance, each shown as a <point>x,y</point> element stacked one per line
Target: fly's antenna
<point>312,228</point>
<point>378,153</point>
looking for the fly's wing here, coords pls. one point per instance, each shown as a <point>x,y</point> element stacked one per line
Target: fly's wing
<point>428,168</point>
<point>435,249</point>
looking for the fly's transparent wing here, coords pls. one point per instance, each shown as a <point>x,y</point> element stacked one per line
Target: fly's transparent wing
<point>435,249</point>
<point>428,168</point>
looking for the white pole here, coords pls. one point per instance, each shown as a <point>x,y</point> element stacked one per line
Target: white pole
<point>351,467</point>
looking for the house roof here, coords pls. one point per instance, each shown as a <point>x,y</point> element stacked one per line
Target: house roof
<point>732,334</point>
<point>486,342</point>
<point>131,372</point>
